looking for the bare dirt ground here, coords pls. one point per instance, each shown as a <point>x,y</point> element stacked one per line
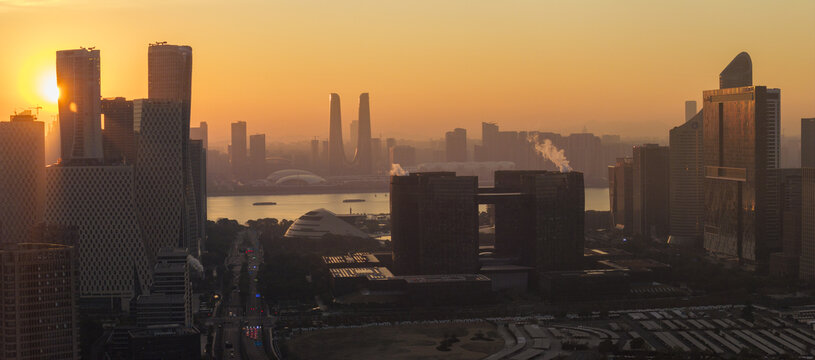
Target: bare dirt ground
<point>405,342</point>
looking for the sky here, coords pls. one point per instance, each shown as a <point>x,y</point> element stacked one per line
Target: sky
<point>609,67</point>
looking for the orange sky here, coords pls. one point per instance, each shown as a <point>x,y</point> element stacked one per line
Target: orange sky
<point>623,67</point>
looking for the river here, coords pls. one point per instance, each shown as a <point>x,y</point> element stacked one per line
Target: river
<point>293,206</point>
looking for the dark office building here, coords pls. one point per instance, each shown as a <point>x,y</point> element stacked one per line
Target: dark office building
<point>434,219</point>
<point>238,158</point>
<point>118,136</point>
<point>257,156</point>
<point>738,152</point>
<point>786,184</point>
<point>456,145</point>
<point>651,191</point>
<point>539,218</point>
<point>621,195</point>
<point>687,195</point>
<point>808,143</point>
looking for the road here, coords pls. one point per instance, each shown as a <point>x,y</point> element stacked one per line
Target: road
<point>241,335</point>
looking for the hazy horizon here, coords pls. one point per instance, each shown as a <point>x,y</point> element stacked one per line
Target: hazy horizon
<point>429,67</point>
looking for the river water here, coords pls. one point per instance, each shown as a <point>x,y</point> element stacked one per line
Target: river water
<point>293,206</point>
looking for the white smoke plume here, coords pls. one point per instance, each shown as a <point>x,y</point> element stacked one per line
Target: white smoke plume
<point>397,170</point>
<point>195,264</point>
<point>550,152</point>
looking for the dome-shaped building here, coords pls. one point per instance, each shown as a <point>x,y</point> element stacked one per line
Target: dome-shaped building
<point>316,223</point>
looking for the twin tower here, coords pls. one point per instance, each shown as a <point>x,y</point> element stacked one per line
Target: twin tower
<point>362,163</point>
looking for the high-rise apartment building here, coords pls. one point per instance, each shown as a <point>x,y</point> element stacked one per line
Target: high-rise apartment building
<point>257,156</point>
<point>39,302</point>
<point>238,158</point>
<point>651,191</point>
<point>22,177</point>
<point>315,154</point>
<point>336,153</point>
<point>118,137</point>
<point>621,195</point>
<point>99,201</point>
<point>376,153</point>
<point>434,220</point>
<point>808,142</point>
<point>687,195</point>
<point>79,104</point>
<point>456,145</point>
<point>690,109</point>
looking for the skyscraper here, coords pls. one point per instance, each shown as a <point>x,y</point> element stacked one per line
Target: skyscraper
<point>169,78</point>
<point>738,73</point>
<point>362,158</point>
<point>621,195</point>
<point>119,139</point>
<point>687,195</point>
<point>79,104</point>
<point>39,311</point>
<point>456,145</point>
<point>22,177</point>
<point>315,154</point>
<point>160,181</point>
<point>169,74</point>
<point>737,153</point>
<point>690,109</point>
<point>238,146</point>
<point>434,219</point>
<point>808,142</point>
<point>257,156</point>
<point>651,191</point>
<point>336,153</point>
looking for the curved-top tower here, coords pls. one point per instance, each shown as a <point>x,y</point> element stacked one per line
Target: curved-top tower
<point>336,154</point>
<point>738,73</point>
<point>362,158</point>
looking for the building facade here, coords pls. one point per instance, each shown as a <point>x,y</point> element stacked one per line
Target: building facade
<point>237,157</point>
<point>160,177</point>
<point>118,137</point>
<point>257,156</point>
<point>434,220</point>
<point>806,267</point>
<point>808,142</point>
<point>687,196</point>
<point>78,79</point>
<point>100,203</point>
<point>651,170</point>
<point>621,195</point>
<point>738,152</point>
<point>39,302</point>
<point>456,145</point>
<point>22,178</point>
<point>336,152</point>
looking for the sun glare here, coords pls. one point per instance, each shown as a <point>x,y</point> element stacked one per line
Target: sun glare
<point>48,87</point>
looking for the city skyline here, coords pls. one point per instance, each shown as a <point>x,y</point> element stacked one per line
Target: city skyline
<point>447,71</point>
